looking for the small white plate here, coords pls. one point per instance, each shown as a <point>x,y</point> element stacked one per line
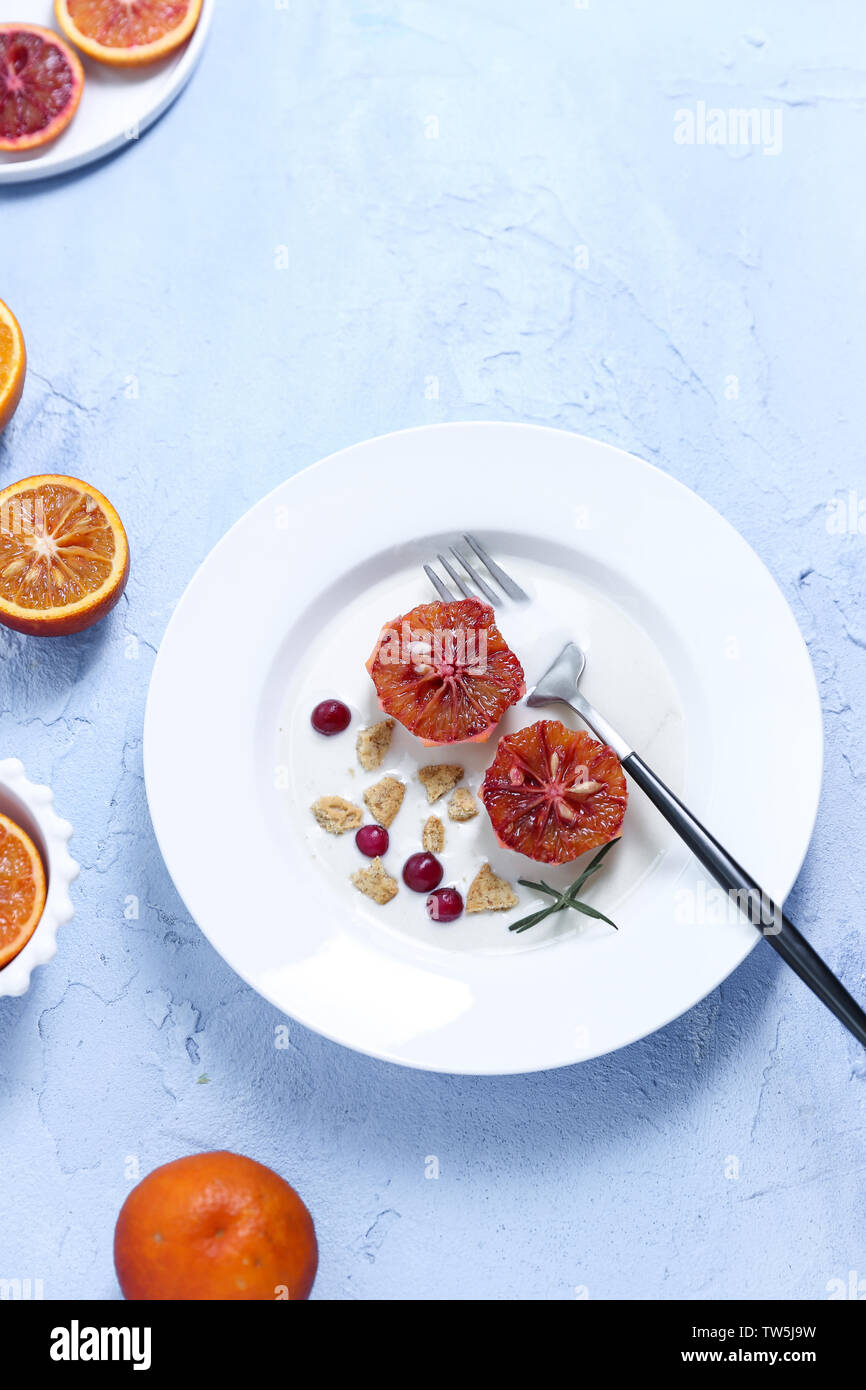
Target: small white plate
<point>116,107</point>
<point>692,652</point>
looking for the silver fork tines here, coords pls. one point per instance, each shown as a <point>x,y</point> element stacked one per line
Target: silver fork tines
<point>490,594</point>
<point>452,573</point>
<point>442,589</point>
<point>509,586</point>
<point>504,580</point>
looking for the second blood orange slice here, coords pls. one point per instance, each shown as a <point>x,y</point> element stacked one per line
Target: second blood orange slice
<point>127,33</point>
<point>552,793</point>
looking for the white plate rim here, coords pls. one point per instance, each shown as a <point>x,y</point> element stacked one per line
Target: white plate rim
<point>52,163</point>
<point>811,768</point>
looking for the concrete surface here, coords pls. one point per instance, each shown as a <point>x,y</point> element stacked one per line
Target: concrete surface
<point>365,216</point>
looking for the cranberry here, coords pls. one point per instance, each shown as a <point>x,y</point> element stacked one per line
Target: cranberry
<point>445,905</point>
<point>331,717</point>
<point>372,840</point>
<point>422,872</point>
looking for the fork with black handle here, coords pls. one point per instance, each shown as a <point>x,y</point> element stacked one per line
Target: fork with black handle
<point>559,685</point>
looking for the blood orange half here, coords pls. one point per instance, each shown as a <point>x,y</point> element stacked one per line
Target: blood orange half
<point>41,81</point>
<point>445,671</point>
<point>552,793</point>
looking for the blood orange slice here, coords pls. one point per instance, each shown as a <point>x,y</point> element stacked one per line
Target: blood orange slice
<point>127,33</point>
<point>22,889</point>
<point>552,794</point>
<point>41,81</point>
<point>64,558</point>
<point>445,672</point>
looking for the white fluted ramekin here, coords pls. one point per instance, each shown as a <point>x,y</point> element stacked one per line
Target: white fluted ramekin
<point>32,807</point>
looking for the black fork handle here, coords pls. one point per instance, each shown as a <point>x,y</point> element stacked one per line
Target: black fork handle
<point>769,919</point>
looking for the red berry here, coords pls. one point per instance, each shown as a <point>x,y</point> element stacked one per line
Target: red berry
<point>372,840</point>
<point>445,905</point>
<point>422,872</point>
<point>331,717</point>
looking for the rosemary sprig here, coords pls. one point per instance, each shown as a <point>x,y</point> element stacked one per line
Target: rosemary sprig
<point>567,899</point>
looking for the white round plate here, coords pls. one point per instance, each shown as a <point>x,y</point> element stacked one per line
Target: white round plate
<point>116,107</point>
<point>691,651</point>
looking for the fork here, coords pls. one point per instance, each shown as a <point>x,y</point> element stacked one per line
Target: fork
<point>559,685</point>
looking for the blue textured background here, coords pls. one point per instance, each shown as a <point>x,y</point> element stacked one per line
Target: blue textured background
<point>428,172</point>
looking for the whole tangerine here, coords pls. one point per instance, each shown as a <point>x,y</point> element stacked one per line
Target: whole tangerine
<point>215,1226</point>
